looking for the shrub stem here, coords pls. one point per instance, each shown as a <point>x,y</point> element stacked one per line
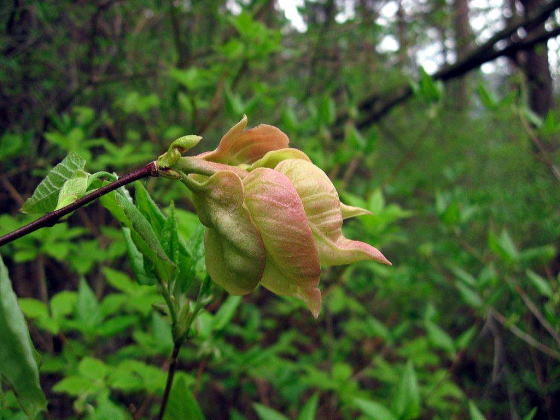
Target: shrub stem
<point>170,376</point>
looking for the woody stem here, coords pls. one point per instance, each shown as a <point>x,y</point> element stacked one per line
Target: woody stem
<point>50,219</point>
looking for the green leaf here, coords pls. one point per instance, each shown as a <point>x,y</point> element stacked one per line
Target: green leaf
<point>469,295</point>
<point>93,369</point>
<point>234,103</point>
<point>148,207</point>
<point>531,414</point>
<point>17,363</point>
<point>149,245</point>
<point>439,337</point>
<point>45,196</point>
<point>376,202</point>
<point>486,97</point>
<point>465,338</point>
<point>540,253</point>
<point>136,260</point>
<point>11,145</point>
<point>327,111</point>
<point>87,307</point>
<point>39,312</point>
<point>406,402</point>
<point>266,413</point>
<point>503,246</point>
<point>63,304</point>
<point>463,275</point>
<point>355,139</point>
<point>539,283</point>
<point>309,410</point>
<point>226,312</point>
<point>475,412</point>
<point>374,410</point>
<point>73,189</point>
<point>182,404</point>
<point>169,236</point>
<point>119,281</point>
<point>74,386</point>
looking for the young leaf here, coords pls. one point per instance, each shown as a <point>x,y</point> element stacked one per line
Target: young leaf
<point>541,284</point>
<point>469,295</point>
<point>503,246</point>
<point>374,410</point>
<point>226,312</point>
<point>148,207</point>
<point>182,404</point>
<point>73,189</point>
<point>475,412</point>
<point>45,196</point>
<point>406,402</point>
<point>266,413</point>
<point>17,363</point>
<point>145,237</point>
<point>87,307</point>
<point>531,414</point>
<point>136,260</point>
<point>439,337</point>
<point>309,410</point>
<point>327,111</point>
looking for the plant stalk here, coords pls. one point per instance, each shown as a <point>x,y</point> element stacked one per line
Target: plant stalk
<point>170,376</point>
<point>51,218</point>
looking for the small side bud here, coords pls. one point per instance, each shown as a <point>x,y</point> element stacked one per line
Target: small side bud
<point>176,149</point>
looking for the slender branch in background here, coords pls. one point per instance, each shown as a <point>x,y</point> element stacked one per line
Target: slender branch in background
<point>524,336</point>
<point>51,218</point>
<point>376,106</point>
<point>12,190</point>
<point>170,375</point>
<point>535,310</point>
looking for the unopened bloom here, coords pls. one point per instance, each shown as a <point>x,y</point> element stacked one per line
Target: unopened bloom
<point>272,217</point>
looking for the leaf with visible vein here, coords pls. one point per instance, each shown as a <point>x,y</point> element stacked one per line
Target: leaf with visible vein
<point>17,363</point>
<point>45,196</point>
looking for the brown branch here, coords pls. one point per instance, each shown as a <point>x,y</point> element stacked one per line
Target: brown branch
<point>53,217</point>
<point>377,106</point>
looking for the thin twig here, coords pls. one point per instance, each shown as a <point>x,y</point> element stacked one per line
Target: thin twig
<point>52,218</point>
<point>535,310</point>
<point>12,190</point>
<point>170,376</point>
<point>524,336</point>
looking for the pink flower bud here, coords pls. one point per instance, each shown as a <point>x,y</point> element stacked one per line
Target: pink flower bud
<point>272,218</point>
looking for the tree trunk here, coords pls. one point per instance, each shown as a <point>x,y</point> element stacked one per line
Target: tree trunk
<point>463,45</point>
<point>536,66</point>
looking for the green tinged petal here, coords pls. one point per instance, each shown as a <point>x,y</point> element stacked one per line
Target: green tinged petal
<point>292,267</point>
<point>274,157</point>
<point>351,211</point>
<point>323,209</point>
<point>235,254</point>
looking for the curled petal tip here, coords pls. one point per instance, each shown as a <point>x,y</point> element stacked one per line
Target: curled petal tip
<point>312,298</point>
<point>351,211</point>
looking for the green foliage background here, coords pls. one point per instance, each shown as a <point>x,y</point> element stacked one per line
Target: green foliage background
<point>465,325</point>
